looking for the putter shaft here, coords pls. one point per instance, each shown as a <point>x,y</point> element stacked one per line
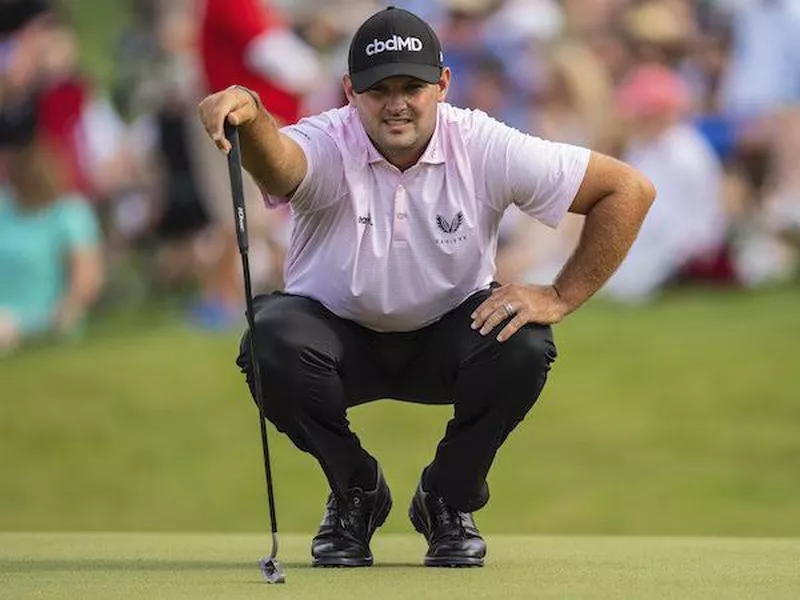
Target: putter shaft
<point>269,566</point>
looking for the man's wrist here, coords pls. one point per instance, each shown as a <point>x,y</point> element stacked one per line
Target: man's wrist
<point>560,298</point>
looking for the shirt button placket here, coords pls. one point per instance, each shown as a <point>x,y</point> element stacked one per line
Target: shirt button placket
<point>400,215</point>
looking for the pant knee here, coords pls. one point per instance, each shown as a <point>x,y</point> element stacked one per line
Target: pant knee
<point>291,363</point>
<point>527,362</point>
<point>278,346</point>
<point>531,349</point>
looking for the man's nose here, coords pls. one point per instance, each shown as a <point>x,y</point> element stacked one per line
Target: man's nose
<point>396,101</point>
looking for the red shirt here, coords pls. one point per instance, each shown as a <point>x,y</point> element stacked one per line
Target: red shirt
<point>227,28</point>
<point>59,113</point>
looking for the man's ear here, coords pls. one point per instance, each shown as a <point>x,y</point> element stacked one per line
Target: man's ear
<point>444,83</point>
<point>347,84</point>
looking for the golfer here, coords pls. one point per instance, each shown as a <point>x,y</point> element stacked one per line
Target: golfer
<point>396,200</point>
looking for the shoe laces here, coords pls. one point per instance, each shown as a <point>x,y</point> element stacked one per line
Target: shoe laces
<point>449,518</point>
<point>349,518</point>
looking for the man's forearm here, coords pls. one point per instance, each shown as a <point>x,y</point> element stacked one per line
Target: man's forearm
<point>276,162</point>
<point>264,155</point>
<point>610,228</point>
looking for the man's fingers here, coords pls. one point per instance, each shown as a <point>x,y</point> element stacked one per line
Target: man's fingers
<point>215,109</point>
<point>511,327</point>
<point>234,118</point>
<point>485,310</point>
<point>221,142</point>
<point>239,115</point>
<point>494,303</point>
<point>531,306</point>
<point>482,313</point>
<point>214,121</point>
<point>499,315</point>
<point>218,132</point>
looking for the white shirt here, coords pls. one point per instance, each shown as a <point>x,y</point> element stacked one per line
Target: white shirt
<point>687,219</point>
<point>395,250</point>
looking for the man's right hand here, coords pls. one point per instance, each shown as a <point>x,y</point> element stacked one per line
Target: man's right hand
<point>235,104</point>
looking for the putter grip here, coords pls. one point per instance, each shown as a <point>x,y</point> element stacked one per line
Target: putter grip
<point>237,187</point>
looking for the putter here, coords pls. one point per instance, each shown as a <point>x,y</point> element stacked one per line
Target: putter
<point>270,568</point>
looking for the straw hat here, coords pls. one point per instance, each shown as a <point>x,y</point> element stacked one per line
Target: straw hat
<point>656,23</point>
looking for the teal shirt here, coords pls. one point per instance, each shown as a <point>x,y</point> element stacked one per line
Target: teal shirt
<point>34,252</point>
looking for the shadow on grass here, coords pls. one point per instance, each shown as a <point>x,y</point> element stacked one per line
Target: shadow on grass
<point>90,565</point>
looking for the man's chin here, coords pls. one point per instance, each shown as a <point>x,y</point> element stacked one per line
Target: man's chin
<point>399,142</point>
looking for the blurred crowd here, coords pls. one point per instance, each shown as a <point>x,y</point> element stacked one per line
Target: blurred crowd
<point>98,181</point>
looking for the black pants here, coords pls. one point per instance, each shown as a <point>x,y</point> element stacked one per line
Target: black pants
<point>315,365</point>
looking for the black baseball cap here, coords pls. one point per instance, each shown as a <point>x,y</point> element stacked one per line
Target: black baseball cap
<point>394,42</point>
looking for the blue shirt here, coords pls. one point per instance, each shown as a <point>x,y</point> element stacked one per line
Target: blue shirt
<point>764,70</point>
<point>34,255</point>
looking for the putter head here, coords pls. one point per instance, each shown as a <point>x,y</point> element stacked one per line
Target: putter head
<point>272,571</point>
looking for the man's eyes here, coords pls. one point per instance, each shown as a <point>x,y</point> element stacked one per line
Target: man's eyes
<point>411,88</point>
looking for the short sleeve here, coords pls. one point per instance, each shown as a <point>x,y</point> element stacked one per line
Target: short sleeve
<point>78,224</point>
<point>539,176</point>
<point>324,181</point>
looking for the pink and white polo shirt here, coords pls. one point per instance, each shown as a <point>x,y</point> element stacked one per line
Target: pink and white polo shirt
<point>395,250</point>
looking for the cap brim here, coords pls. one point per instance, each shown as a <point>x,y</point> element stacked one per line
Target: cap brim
<point>366,79</point>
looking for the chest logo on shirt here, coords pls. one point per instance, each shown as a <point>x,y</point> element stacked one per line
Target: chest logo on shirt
<point>450,226</point>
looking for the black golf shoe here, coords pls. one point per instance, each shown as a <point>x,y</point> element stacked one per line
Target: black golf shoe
<point>347,527</point>
<point>453,538</point>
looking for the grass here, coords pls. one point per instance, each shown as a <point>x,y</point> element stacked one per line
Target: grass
<point>676,419</point>
<point>98,24</point>
<point>171,566</point>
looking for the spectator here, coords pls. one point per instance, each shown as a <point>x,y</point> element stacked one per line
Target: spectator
<point>658,31</point>
<point>573,108</point>
<point>79,121</point>
<point>519,31</point>
<point>575,102</point>
<point>246,42</point>
<point>464,43</point>
<point>15,15</point>
<point>687,224</point>
<point>249,42</point>
<point>764,70</point>
<point>328,30</point>
<point>489,89</point>
<point>759,98</point>
<point>50,265</point>
<point>160,86</point>
<point>21,43</point>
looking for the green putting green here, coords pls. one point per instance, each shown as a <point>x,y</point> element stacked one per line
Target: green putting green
<point>176,566</point>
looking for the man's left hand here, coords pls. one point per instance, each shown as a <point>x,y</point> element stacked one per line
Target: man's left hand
<point>526,303</point>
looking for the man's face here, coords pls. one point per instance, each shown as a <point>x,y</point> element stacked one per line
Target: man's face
<point>399,114</point>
